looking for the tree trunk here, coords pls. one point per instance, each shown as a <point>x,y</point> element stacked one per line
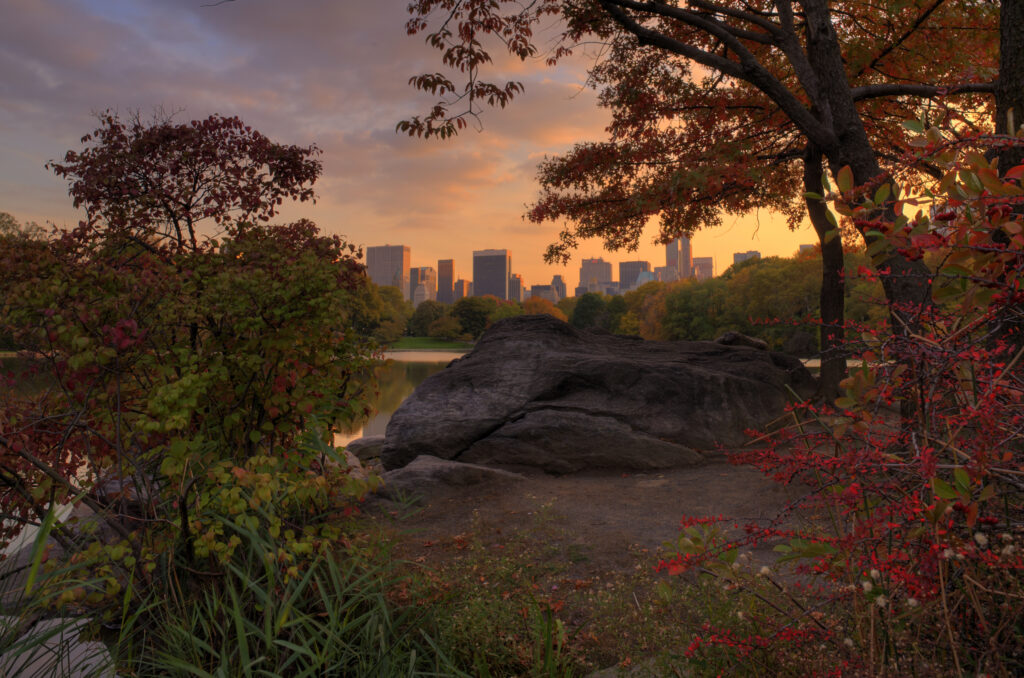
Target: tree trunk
<point>832,297</point>
<point>907,283</point>
<point>1010,88</point>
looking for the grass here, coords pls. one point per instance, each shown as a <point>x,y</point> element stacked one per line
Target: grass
<point>519,605</point>
<point>427,344</point>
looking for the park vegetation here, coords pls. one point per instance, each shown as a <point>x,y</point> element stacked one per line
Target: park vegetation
<point>775,299</point>
<point>195,360</point>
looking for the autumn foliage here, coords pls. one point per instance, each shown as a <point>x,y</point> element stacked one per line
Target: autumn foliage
<point>911,538</point>
<point>170,381</point>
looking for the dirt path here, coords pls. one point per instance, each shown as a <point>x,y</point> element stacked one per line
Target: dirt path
<point>598,519</point>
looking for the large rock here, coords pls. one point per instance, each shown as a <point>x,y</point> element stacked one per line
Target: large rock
<point>536,391</point>
<point>425,474</point>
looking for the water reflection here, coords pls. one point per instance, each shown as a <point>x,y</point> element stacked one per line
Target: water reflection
<point>397,379</point>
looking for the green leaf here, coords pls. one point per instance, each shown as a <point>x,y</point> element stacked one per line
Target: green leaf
<point>943,489</point>
<point>845,179</point>
<point>962,480</point>
<point>811,195</point>
<point>729,556</point>
<point>39,547</point>
<point>914,126</point>
<point>882,193</point>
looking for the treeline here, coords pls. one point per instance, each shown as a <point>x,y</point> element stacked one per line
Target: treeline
<point>384,315</point>
<point>774,299</point>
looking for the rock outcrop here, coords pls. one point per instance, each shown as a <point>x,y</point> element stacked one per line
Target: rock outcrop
<point>536,391</point>
<point>426,474</point>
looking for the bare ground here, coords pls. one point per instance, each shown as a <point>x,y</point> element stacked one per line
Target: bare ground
<point>598,520</point>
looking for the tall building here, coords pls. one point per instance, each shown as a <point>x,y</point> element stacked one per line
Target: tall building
<point>516,290</point>
<point>389,265</point>
<point>595,273</point>
<point>425,277</point>
<point>679,257</point>
<point>743,256</point>
<point>445,280</point>
<point>559,286</point>
<point>543,292</point>
<point>703,268</point>
<point>461,288</point>
<point>491,269</point>
<point>629,271</point>
<point>666,274</point>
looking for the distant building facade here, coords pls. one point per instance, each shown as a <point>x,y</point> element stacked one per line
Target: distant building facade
<point>515,288</point>
<point>703,268</point>
<point>629,271</point>
<point>445,280</point>
<point>679,258</point>
<point>643,278</point>
<point>743,256</point>
<point>389,265</point>
<point>461,288</point>
<point>491,270</point>
<point>666,274</point>
<point>595,273</point>
<point>559,286</point>
<point>543,292</point>
<point>808,248</point>
<point>425,277</point>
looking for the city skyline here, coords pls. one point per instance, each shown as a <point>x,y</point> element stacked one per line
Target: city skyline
<point>276,69</point>
<point>679,263</point>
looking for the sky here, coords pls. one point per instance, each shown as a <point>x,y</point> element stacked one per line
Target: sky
<point>328,72</point>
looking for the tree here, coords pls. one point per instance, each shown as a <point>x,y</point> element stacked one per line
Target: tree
<point>473,313</point>
<point>589,312</point>
<point>194,380</point>
<point>423,317</point>
<point>537,305</point>
<point>446,327</point>
<point>784,86</point>
<point>11,228</point>
<point>156,182</point>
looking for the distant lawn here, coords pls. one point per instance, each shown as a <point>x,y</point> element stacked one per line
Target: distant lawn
<point>427,344</point>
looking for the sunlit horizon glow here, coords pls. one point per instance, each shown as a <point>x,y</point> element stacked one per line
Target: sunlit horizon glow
<point>333,74</point>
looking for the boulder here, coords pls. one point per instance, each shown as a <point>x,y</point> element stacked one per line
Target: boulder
<point>739,339</point>
<point>537,391</point>
<point>52,647</point>
<point>366,448</point>
<point>802,344</point>
<point>428,473</point>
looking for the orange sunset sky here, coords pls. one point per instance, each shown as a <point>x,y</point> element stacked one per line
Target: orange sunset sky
<point>315,71</point>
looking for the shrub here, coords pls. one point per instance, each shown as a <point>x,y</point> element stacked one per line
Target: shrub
<point>915,546</point>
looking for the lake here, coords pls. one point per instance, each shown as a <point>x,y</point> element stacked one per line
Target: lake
<point>398,378</point>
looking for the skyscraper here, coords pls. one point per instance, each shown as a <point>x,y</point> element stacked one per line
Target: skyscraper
<point>445,280</point>
<point>462,288</point>
<point>737,257</point>
<point>425,277</point>
<point>389,265</point>
<point>543,292</point>
<point>559,286</point>
<point>595,273</point>
<point>703,268</point>
<point>491,269</point>
<point>629,271</point>
<point>515,287</point>
<point>679,256</point>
